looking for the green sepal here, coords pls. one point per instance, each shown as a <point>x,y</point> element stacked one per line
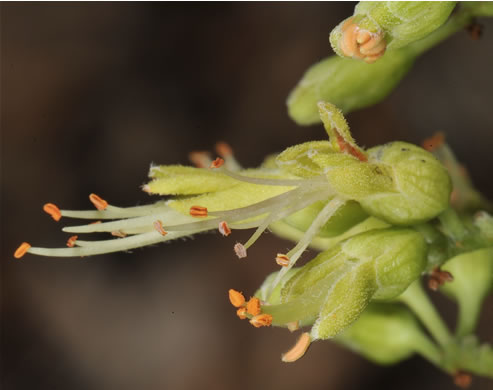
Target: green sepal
<point>298,159</point>
<point>353,179</point>
<point>422,185</point>
<point>239,195</point>
<point>182,180</point>
<point>333,289</point>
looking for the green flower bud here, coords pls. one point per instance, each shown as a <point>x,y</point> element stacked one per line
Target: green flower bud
<point>398,182</point>
<point>378,25</point>
<point>421,184</point>
<point>387,333</point>
<point>473,280</point>
<point>348,84</point>
<point>333,289</point>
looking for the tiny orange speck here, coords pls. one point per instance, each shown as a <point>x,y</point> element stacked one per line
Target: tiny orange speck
<point>261,320</point>
<point>198,211</point>
<point>253,306</point>
<point>434,142</point>
<point>224,229</point>
<point>241,313</point>
<point>98,202</point>
<point>236,298</point>
<point>218,162</point>
<point>53,211</point>
<point>158,225</point>
<point>71,241</point>
<point>21,251</point>
<point>282,260</point>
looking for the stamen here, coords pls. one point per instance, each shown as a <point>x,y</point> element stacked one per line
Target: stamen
<point>298,350</point>
<point>241,313</point>
<point>224,229</point>
<point>118,233</point>
<point>236,298</point>
<point>53,211</point>
<point>198,211</point>
<point>363,36</point>
<point>240,250</point>
<point>95,222</point>
<point>98,202</point>
<point>282,260</point>
<point>253,306</point>
<point>22,250</point>
<point>200,159</point>
<point>218,162</point>
<point>71,241</point>
<point>158,225</point>
<point>226,152</point>
<point>89,248</point>
<point>261,320</point>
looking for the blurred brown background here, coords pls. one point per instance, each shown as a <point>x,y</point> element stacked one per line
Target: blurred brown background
<point>91,94</point>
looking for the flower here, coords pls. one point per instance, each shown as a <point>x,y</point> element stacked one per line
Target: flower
<point>362,201</point>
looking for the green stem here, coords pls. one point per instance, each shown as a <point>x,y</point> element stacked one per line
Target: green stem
<point>427,349</point>
<point>452,225</point>
<point>420,304</point>
<point>467,318</point>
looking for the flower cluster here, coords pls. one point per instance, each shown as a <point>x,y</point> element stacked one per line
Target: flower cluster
<point>381,217</point>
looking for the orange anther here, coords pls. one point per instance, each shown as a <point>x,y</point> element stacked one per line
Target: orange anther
<point>71,241</point>
<point>158,225</point>
<point>118,233</point>
<point>21,251</point>
<point>95,223</point>
<point>434,142</point>
<point>224,229</point>
<point>53,210</point>
<point>241,313</point>
<point>282,260</point>
<point>236,298</point>
<point>218,162</point>
<point>223,149</point>
<point>261,320</point>
<point>240,250</point>
<point>360,43</point>
<point>462,379</point>
<point>253,306</point>
<point>198,211</point>
<point>98,202</point>
<point>199,159</point>
<point>346,147</point>
<point>298,350</point>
